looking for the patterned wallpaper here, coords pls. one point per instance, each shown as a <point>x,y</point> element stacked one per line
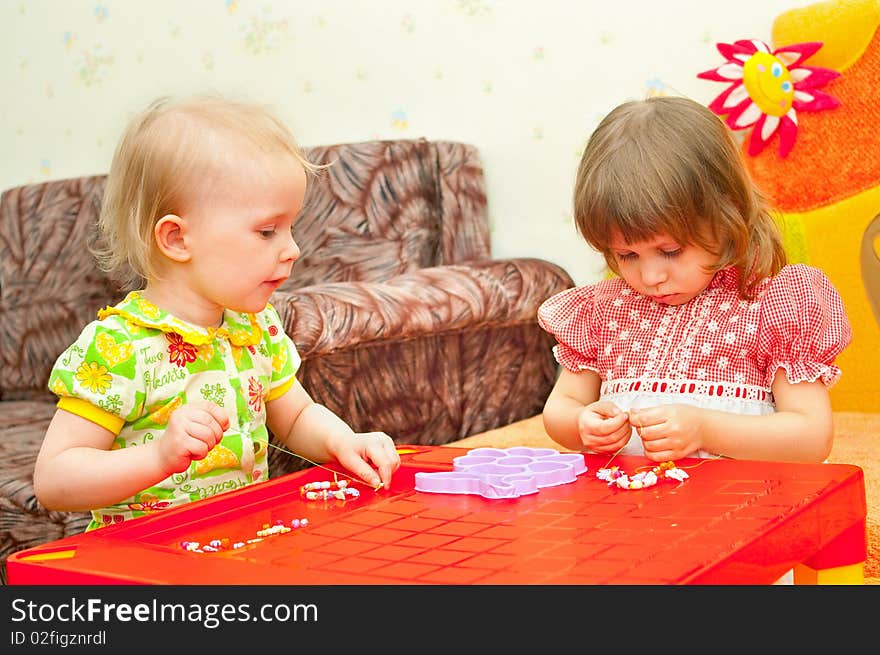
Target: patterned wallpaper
<point>524,80</point>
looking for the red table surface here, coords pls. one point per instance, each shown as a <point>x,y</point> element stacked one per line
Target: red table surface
<point>731,522</point>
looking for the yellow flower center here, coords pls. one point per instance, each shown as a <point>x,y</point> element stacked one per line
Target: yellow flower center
<point>769,83</point>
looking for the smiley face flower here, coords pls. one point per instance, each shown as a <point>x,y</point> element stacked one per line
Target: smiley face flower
<point>767,88</point>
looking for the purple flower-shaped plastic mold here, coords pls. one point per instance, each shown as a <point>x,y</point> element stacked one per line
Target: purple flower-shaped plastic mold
<point>504,473</point>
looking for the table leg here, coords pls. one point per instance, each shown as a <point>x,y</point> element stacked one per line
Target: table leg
<point>840,562</point>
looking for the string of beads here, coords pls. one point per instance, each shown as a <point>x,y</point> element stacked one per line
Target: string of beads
<point>325,490</point>
<point>268,530</point>
<point>643,479</point>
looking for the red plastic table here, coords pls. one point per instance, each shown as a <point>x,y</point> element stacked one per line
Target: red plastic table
<point>731,522</point>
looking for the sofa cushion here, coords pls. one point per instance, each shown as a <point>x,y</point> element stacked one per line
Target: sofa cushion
<point>383,208</point>
<point>49,284</point>
<point>25,523</point>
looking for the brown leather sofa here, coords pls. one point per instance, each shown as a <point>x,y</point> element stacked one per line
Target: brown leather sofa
<point>404,321</point>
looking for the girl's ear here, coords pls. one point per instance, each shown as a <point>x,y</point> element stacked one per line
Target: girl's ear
<point>170,232</point>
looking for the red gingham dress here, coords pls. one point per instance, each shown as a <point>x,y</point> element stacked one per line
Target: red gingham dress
<point>716,351</point>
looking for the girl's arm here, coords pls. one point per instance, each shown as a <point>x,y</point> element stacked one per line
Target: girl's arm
<point>317,434</point>
<point>77,470</point>
<point>801,429</point>
<point>575,420</point>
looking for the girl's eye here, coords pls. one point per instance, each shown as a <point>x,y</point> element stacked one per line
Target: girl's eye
<point>266,234</point>
<point>625,256</point>
<point>672,253</point>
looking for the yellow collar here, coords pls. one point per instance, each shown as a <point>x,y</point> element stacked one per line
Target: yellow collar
<point>239,328</point>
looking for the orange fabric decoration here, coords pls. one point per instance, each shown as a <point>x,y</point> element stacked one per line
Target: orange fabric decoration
<point>832,173</point>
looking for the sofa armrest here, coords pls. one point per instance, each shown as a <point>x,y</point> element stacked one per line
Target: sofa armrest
<point>322,319</point>
<point>428,357</point>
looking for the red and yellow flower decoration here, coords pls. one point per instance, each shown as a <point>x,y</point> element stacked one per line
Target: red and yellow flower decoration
<point>179,351</point>
<point>255,394</point>
<point>149,503</point>
<point>767,88</point>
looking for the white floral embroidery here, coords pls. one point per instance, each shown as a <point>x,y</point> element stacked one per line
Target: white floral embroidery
<point>619,360</point>
<point>625,291</point>
<point>712,326</point>
<point>733,319</point>
<point>701,374</point>
<point>723,362</point>
<point>682,366</point>
<point>661,331</point>
<point>751,328</point>
<point>624,335</point>
<point>617,302</point>
<point>612,325</point>
<point>636,346</point>
<point>706,348</point>
<point>608,349</point>
<point>645,324</point>
<point>631,372</point>
<point>729,337</point>
<point>739,377</point>
<point>633,314</point>
<point>724,306</point>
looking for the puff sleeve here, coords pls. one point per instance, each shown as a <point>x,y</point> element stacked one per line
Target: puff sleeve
<point>568,316</point>
<point>96,376</point>
<point>285,358</point>
<point>803,327</point>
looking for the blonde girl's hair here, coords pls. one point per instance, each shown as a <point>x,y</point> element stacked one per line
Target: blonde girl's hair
<point>669,165</point>
<point>160,154</point>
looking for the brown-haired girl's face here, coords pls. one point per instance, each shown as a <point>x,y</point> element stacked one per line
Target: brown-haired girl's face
<point>662,269</point>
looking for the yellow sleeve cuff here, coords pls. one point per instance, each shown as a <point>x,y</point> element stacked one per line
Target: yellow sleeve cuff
<point>94,414</point>
<point>277,392</point>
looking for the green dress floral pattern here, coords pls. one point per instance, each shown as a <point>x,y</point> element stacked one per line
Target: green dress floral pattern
<point>130,369</point>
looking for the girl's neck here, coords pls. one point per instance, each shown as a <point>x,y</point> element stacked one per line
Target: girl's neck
<point>182,303</point>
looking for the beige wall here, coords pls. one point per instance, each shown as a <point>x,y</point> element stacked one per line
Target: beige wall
<point>525,80</point>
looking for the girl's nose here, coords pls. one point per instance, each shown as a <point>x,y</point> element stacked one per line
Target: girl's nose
<point>291,250</point>
<point>653,273</point>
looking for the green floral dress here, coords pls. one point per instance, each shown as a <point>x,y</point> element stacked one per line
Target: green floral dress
<point>130,369</point>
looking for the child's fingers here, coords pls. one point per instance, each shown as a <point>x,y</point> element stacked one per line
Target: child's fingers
<point>383,454</point>
<point>606,409</point>
<point>209,434</point>
<point>354,463</point>
<point>644,418</point>
<point>216,412</point>
<point>197,448</point>
<point>609,426</point>
<point>387,461</point>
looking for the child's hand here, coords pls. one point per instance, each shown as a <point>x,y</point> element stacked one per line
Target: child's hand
<point>668,432</point>
<point>358,452</point>
<point>603,427</point>
<point>193,430</point>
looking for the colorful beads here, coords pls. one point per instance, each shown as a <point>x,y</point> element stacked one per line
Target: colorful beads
<point>325,490</point>
<point>643,479</point>
<point>267,530</point>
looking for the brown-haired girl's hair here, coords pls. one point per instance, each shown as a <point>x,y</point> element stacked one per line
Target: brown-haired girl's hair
<point>162,150</point>
<point>669,165</point>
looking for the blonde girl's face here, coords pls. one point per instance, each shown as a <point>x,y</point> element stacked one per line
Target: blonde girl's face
<point>239,222</point>
<point>662,269</point>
